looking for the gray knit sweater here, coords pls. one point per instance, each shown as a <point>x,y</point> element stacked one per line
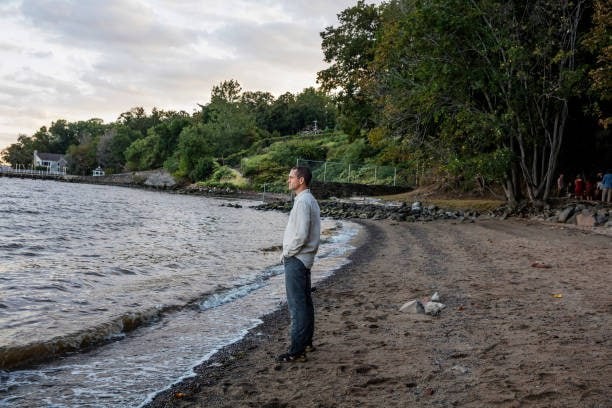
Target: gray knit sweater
<point>303,230</point>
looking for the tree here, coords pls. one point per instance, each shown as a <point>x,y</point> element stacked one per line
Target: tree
<point>193,151</point>
<point>259,104</point>
<point>481,80</point>
<point>81,158</point>
<point>226,91</point>
<point>312,105</point>
<point>281,115</point>
<point>598,42</point>
<point>137,119</point>
<point>144,154</point>
<point>20,153</point>
<point>111,147</point>
<point>350,48</point>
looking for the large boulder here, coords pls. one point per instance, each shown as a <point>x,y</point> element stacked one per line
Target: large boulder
<point>585,219</point>
<point>160,179</point>
<point>565,214</point>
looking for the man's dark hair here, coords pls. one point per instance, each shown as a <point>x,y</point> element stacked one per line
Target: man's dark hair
<point>303,171</point>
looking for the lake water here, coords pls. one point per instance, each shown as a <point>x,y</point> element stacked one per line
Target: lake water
<point>109,295</point>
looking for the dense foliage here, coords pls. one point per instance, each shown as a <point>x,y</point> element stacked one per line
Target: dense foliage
<point>480,89</point>
<point>191,146</point>
<point>501,93</point>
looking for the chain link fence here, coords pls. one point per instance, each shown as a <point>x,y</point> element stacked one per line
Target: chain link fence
<point>339,172</point>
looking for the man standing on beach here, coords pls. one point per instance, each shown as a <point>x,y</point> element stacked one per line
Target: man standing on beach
<point>300,245</point>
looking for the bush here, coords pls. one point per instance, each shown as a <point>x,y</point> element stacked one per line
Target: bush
<point>203,168</point>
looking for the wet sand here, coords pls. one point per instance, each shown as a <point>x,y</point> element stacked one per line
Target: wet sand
<point>527,323</point>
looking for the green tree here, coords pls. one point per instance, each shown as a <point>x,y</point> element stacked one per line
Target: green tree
<point>138,120</point>
<point>20,153</point>
<point>598,43</point>
<point>144,154</point>
<point>226,91</point>
<point>82,158</point>
<point>312,105</point>
<point>194,151</point>
<point>350,49</point>
<point>463,79</point>
<point>281,115</point>
<point>259,104</point>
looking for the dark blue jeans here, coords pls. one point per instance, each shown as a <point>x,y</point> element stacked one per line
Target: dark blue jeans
<point>299,301</point>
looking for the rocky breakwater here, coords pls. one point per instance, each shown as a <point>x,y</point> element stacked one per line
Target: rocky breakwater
<point>579,213</point>
<point>378,210</point>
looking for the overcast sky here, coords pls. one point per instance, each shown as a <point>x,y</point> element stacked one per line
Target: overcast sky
<point>83,59</point>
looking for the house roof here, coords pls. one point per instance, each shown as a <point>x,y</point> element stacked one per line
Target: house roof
<point>50,156</point>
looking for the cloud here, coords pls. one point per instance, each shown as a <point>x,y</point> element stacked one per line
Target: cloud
<point>76,60</point>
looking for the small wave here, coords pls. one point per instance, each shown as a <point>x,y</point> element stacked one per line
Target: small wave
<point>218,299</point>
<point>12,245</point>
<point>228,295</point>
<point>33,353</point>
<point>121,271</point>
<point>12,357</point>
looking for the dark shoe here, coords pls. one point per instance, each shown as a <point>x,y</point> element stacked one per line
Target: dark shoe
<point>292,358</point>
<point>310,348</point>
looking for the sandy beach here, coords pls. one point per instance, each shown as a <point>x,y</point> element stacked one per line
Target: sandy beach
<point>527,323</point>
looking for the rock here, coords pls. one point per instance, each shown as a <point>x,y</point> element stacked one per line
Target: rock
<point>435,297</point>
<point>601,219</point>
<point>413,306</point>
<point>460,369</point>
<point>585,219</point>
<point>161,179</point>
<point>416,208</point>
<point>434,308</point>
<point>565,214</point>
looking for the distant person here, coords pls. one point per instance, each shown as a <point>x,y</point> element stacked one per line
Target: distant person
<point>606,187</point>
<point>598,187</point>
<point>589,188</point>
<point>560,185</point>
<point>300,245</point>
<point>578,187</point>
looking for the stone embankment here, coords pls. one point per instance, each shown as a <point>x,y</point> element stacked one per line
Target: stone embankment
<point>569,212</point>
<point>584,214</point>
<point>376,210</point>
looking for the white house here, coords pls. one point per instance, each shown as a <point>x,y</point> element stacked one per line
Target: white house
<point>98,171</point>
<point>55,163</point>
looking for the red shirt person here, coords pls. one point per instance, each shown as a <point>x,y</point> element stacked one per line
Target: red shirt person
<point>578,187</point>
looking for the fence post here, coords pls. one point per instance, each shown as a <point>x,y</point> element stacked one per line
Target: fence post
<point>324,170</point>
<point>394,175</point>
<point>297,162</point>
<point>375,174</point>
<point>349,174</point>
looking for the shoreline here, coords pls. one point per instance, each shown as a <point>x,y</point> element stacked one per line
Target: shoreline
<point>519,306</point>
<point>272,325</point>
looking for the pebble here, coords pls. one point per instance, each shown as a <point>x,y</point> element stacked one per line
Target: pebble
<point>434,308</point>
<point>413,306</point>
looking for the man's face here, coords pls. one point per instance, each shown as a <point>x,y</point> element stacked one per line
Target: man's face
<point>294,182</point>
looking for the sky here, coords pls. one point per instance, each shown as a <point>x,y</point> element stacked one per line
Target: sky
<point>83,59</point>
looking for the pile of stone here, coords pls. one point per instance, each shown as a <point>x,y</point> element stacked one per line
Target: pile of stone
<point>586,214</point>
<point>378,211</point>
<point>581,213</point>
<point>431,306</point>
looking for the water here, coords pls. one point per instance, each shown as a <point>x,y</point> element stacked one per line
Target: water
<point>112,294</point>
